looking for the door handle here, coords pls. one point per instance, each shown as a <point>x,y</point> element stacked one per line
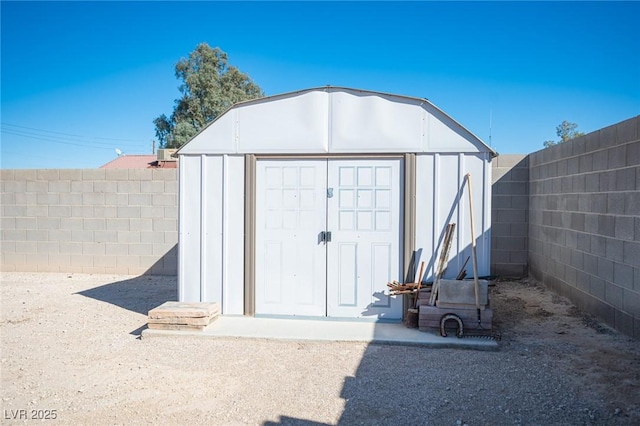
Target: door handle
<point>325,237</point>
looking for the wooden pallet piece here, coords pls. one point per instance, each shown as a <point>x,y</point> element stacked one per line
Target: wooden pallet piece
<point>182,316</point>
<point>185,309</point>
<point>430,316</point>
<point>176,327</point>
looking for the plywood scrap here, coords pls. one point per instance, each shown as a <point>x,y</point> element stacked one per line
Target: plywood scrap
<point>183,315</point>
<point>430,316</point>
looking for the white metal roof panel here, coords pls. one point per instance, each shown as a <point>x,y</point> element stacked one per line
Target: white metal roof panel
<point>444,134</point>
<point>370,122</point>
<point>334,120</point>
<point>295,124</point>
<point>217,138</point>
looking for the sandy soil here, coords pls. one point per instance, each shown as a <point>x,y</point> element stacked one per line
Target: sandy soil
<point>71,354</point>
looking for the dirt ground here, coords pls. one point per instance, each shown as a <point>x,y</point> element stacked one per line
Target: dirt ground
<point>603,360</point>
<point>71,354</point>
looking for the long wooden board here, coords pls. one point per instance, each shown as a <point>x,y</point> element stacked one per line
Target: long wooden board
<point>442,261</point>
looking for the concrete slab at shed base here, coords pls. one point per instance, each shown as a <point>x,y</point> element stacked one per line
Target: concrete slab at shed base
<point>326,330</point>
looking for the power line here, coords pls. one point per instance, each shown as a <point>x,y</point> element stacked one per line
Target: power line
<point>73,135</point>
<point>55,141</point>
<point>67,141</point>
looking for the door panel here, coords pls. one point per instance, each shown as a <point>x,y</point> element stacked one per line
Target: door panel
<point>364,218</point>
<point>290,213</point>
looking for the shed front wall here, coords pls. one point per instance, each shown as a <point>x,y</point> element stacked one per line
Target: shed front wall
<point>212,221</point>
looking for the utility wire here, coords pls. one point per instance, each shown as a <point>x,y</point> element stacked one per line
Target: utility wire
<point>68,141</point>
<point>55,141</point>
<point>71,134</point>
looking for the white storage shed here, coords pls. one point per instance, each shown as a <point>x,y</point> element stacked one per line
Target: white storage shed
<point>308,203</point>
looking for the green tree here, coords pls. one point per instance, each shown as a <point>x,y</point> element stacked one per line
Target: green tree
<point>565,132</point>
<point>209,87</point>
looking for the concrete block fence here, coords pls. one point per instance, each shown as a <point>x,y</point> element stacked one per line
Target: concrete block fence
<point>92,221</point>
<point>510,216</point>
<point>584,222</point>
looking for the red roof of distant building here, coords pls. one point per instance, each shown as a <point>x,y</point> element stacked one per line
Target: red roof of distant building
<point>136,161</point>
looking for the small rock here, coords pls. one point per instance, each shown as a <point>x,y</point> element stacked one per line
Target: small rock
<point>617,412</point>
<point>459,422</point>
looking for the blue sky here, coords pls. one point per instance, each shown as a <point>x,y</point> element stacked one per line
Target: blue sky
<point>82,79</point>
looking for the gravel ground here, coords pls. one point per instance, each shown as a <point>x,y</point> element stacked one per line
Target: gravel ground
<point>70,350</point>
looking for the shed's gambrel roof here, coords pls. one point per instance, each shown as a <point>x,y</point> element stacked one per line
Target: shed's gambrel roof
<point>334,120</point>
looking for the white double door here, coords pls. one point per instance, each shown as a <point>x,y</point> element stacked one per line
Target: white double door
<point>301,269</point>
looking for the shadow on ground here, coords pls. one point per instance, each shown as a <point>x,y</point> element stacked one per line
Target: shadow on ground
<point>139,294</point>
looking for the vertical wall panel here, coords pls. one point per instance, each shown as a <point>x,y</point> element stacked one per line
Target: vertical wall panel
<point>449,192</point>
<point>233,236</point>
<point>425,206</point>
<point>189,232</point>
<point>212,254</point>
<point>475,166</point>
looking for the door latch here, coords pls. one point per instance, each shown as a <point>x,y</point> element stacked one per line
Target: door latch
<point>325,236</point>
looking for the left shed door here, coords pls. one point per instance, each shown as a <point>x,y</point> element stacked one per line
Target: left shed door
<point>291,264</point>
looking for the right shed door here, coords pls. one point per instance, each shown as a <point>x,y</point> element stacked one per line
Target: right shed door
<point>364,216</point>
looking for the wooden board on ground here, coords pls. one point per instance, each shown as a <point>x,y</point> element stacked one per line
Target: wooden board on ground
<point>445,305</point>
<point>185,310</point>
<point>183,316</point>
<point>453,291</point>
<point>430,317</point>
<point>177,327</point>
<point>202,321</point>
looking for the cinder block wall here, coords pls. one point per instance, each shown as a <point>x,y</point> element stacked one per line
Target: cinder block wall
<point>510,215</point>
<point>584,230</point>
<point>91,221</point>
